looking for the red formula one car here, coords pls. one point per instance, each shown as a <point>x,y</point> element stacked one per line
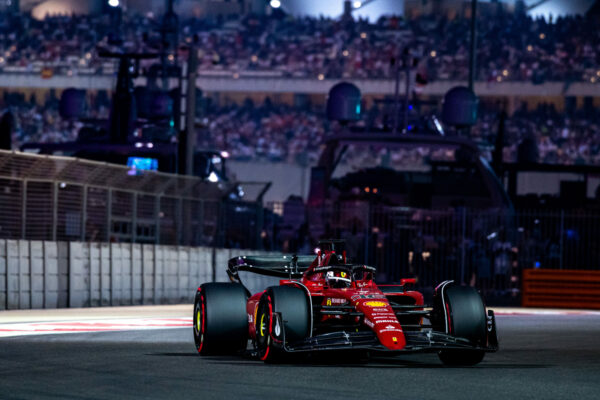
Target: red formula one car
<point>324,303</point>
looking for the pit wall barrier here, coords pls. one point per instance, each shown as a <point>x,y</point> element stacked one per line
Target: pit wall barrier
<point>561,288</point>
<point>46,274</point>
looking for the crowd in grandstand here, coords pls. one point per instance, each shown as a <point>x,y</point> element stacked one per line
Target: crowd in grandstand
<point>561,138</point>
<point>510,47</point>
<point>35,123</point>
<point>281,133</point>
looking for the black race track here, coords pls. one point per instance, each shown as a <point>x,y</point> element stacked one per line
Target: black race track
<point>541,357</point>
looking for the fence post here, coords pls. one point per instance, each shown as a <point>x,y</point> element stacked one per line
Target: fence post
<point>179,218</point>
<point>367,233</point>
<point>157,220</point>
<point>54,210</point>
<point>462,247</point>
<point>108,217</point>
<point>200,233</point>
<point>562,235</point>
<point>4,274</point>
<point>259,225</point>
<point>83,212</point>
<point>134,218</point>
<point>24,210</point>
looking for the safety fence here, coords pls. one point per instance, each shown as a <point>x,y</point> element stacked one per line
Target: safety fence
<point>486,249</point>
<point>46,274</point>
<point>64,198</point>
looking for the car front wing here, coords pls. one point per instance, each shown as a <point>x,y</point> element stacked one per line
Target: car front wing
<point>424,340</point>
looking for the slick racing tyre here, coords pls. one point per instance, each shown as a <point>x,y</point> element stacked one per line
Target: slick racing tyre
<point>459,311</point>
<point>220,320</point>
<point>292,304</point>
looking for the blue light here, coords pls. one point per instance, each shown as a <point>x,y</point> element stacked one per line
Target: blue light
<point>409,127</point>
<point>410,107</point>
<point>142,163</point>
<point>358,109</point>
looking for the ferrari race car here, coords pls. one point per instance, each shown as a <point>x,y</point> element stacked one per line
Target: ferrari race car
<point>325,303</point>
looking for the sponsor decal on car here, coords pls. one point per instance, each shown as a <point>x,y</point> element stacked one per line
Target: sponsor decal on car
<point>375,304</point>
<point>386,321</point>
<point>369,323</point>
<point>367,296</point>
<point>391,330</point>
<point>333,300</point>
<point>277,328</point>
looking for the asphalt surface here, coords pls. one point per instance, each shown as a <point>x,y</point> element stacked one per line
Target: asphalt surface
<point>541,357</point>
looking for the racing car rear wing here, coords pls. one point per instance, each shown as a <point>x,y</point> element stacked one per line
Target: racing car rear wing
<point>287,266</point>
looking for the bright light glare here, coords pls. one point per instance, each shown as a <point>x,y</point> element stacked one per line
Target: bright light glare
<point>357,4</point>
<point>275,3</point>
<point>213,177</point>
<point>113,3</point>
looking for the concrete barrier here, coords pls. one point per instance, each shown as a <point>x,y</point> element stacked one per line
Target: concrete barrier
<point>43,274</point>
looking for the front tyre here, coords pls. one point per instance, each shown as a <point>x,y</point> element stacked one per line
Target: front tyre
<point>292,304</point>
<point>459,311</point>
<point>220,321</point>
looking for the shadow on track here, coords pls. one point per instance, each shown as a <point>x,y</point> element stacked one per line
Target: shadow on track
<point>346,361</point>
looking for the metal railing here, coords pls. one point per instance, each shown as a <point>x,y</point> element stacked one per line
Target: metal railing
<point>65,198</point>
<point>486,249</point>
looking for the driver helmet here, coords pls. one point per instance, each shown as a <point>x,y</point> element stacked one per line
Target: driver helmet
<point>338,279</point>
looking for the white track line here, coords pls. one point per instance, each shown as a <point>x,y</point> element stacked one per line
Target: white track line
<point>540,311</point>
<point>88,320</point>
<point>100,325</point>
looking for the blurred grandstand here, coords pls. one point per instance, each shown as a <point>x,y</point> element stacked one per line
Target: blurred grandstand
<point>513,46</point>
<point>282,133</point>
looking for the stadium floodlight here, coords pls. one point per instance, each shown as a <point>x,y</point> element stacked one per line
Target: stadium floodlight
<point>113,3</point>
<point>275,3</point>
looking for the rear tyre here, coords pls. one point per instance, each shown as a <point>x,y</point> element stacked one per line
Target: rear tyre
<point>459,311</point>
<point>293,305</point>
<point>220,320</point>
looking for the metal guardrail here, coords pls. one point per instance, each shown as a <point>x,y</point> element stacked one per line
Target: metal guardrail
<point>65,198</point>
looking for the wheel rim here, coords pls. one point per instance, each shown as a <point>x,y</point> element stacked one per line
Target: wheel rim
<point>264,327</point>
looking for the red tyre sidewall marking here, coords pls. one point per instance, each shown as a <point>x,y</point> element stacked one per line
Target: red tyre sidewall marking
<point>266,355</point>
<point>202,321</point>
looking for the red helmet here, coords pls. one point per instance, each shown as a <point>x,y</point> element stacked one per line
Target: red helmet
<point>338,279</point>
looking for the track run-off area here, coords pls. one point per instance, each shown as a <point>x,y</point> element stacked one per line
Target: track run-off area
<point>148,352</point>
